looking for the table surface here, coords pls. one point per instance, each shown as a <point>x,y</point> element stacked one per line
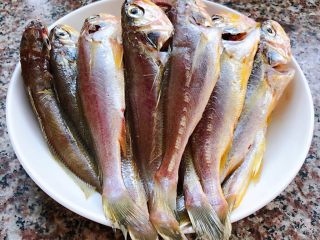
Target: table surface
<point>26,212</point>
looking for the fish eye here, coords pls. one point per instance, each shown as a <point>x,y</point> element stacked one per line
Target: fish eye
<point>216,18</point>
<point>46,43</point>
<point>62,34</point>
<point>92,17</point>
<point>270,30</point>
<point>135,11</point>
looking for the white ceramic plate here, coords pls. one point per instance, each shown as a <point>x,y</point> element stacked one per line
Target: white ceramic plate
<point>289,138</point>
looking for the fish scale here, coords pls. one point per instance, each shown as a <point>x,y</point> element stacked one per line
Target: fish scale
<point>262,93</point>
<point>195,47</point>
<point>102,94</point>
<point>213,134</point>
<point>62,139</point>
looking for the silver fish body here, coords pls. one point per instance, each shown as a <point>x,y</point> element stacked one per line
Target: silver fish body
<point>194,70</point>
<point>101,89</point>
<point>266,85</point>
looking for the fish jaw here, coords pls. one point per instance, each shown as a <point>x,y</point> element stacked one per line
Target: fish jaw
<point>241,50</point>
<point>278,80</point>
<point>149,24</point>
<point>232,23</point>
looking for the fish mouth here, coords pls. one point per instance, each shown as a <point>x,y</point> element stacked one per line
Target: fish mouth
<point>276,55</point>
<point>159,41</point>
<point>35,38</point>
<point>98,22</point>
<point>234,36</point>
<point>146,16</point>
<point>233,24</point>
<point>149,22</point>
<point>278,78</point>
<point>235,28</point>
<point>275,43</point>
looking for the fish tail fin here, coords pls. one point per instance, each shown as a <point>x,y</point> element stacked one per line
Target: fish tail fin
<point>128,217</point>
<point>227,227</point>
<point>162,213</point>
<point>205,221</point>
<point>204,218</point>
<point>182,214</point>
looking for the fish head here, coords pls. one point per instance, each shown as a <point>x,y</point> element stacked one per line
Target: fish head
<point>99,27</point>
<point>275,43</point>
<point>243,48</point>
<point>64,35</point>
<point>233,24</point>
<point>35,38</point>
<point>240,34</point>
<point>148,22</point>
<point>278,79</point>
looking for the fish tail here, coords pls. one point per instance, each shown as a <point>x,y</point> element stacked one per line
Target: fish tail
<point>162,214</point>
<point>128,217</point>
<point>182,214</point>
<point>227,228</point>
<point>204,218</point>
<point>205,221</point>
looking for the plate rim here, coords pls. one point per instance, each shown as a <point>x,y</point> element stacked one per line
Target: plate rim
<point>86,214</point>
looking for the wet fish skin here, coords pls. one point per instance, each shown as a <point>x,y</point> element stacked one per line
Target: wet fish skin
<point>146,30</point>
<point>130,174</point>
<point>214,132</point>
<point>63,64</point>
<point>265,87</point>
<point>203,217</point>
<point>194,65</point>
<point>63,57</point>
<point>236,185</point>
<point>101,89</point>
<point>62,139</point>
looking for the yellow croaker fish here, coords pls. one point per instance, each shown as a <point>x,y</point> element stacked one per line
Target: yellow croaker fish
<point>101,90</point>
<point>236,185</point>
<point>194,70</point>
<point>146,32</point>
<point>213,134</point>
<point>61,137</point>
<point>63,64</point>
<point>202,215</point>
<point>269,78</point>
